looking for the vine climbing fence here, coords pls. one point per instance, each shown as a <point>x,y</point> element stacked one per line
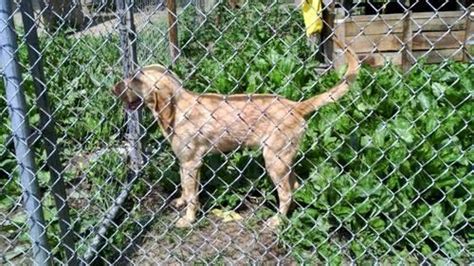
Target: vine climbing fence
<point>385,173</point>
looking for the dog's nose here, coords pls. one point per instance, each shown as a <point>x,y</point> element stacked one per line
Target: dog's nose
<point>116,90</point>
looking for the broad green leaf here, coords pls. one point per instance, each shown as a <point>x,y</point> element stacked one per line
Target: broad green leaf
<point>424,100</point>
<point>403,128</point>
<point>438,89</point>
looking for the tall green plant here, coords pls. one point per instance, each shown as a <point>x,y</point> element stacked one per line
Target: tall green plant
<point>386,171</point>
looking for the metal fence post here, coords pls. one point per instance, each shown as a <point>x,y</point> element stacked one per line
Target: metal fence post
<point>128,39</point>
<point>129,62</point>
<point>21,131</point>
<point>48,132</point>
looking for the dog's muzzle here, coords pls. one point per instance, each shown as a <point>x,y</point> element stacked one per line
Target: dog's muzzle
<point>134,105</point>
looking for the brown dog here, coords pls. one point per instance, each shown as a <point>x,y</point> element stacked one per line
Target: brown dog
<point>198,124</point>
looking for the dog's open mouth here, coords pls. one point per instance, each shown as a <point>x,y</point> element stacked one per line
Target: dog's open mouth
<point>134,105</point>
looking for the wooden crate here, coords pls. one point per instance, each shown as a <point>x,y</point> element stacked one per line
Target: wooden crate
<point>405,38</point>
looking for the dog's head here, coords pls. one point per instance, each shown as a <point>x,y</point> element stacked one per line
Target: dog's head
<point>130,91</point>
<point>154,87</point>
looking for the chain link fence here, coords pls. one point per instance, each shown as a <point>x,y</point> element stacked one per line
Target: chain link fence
<point>385,173</point>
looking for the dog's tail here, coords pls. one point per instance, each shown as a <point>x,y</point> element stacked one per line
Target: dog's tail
<point>335,93</point>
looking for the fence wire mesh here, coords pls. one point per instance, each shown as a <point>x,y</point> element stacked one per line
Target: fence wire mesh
<point>382,175</point>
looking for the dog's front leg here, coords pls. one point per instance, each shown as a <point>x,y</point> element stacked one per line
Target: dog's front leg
<point>190,192</point>
<point>180,202</point>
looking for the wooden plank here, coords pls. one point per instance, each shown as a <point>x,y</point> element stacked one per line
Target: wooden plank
<point>380,26</point>
<point>438,40</point>
<point>393,42</point>
<point>379,59</point>
<point>437,56</point>
<point>433,56</point>
<point>379,43</point>
<point>446,14</point>
<point>439,23</point>
<point>364,18</point>
<point>373,27</point>
<point>416,15</point>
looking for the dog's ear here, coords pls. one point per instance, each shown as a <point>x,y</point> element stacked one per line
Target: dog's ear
<point>165,109</point>
<point>121,86</point>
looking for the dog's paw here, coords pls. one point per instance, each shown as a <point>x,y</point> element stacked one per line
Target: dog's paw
<point>178,203</point>
<point>296,185</point>
<point>274,222</point>
<point>183,222</point>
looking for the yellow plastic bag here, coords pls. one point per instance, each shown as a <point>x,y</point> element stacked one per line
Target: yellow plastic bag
<point>312,16</point>
<point>227,216</point>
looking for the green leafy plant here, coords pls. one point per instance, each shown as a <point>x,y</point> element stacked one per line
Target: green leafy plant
<point>385,173</point>
<point>394,168</point>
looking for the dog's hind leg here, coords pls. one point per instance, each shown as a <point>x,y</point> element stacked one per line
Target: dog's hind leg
<point>278,162</point>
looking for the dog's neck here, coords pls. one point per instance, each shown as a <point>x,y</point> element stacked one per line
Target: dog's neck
<point>162,83</point>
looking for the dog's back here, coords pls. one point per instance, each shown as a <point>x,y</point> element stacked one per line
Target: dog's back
<point>229,122</point>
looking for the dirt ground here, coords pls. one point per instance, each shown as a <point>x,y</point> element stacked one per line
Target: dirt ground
<point>102,23</point>
<point>209,241</point>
